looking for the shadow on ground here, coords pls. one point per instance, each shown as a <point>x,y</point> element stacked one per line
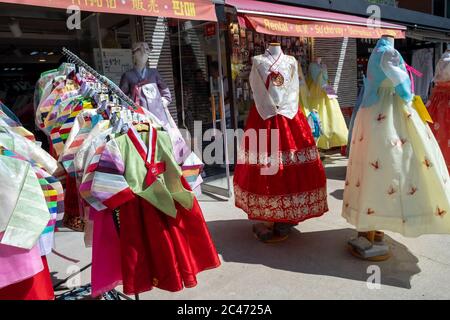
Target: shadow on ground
<point>336,173</point>
<point>320,253</point>
<point>338,194</point>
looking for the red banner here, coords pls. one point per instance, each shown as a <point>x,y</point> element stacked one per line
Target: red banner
<point>314,29</point>
<point>180,9</point>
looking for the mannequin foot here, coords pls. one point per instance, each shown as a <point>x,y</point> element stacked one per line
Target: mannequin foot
<point>270,233</point>
<point>373,250</point>
<point>262,232</point>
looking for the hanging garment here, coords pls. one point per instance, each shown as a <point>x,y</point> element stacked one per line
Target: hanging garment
<point>335,130</point>
<point>297,191</point>
<point>62,91</point>
<point>396,177</point>
<point>28,149</point>
<point>64,123</point>
<point>16,127</point>
<point>54,196</point>
<point>24,213</point>
<point>164,240</point>
<point>84,122</point>
<point>38,287</point>
<point>422,60</point>
<point>18,264</point>
<point>439,106</point>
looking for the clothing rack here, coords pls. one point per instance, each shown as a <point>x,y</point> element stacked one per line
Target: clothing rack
<point>73,58</point>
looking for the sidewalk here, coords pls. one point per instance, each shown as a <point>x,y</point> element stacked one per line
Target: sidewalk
<point>313,263</point>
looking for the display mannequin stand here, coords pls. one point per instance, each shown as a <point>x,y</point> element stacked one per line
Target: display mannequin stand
<point>370,245</point>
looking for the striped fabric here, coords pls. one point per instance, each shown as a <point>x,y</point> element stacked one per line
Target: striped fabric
<point>27,149</point>
<point>60,134</point>
<point>82,126</point>
<point>89,164</point>
<point>63,91</point>
<point>15,127</point>
<point>54,196</point>
<point>104,176</point>
<point>24,214</point>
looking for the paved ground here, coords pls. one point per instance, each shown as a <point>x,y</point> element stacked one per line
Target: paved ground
<point>312,264</point>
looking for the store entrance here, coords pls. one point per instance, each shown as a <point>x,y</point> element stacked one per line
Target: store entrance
<point>201,110</point>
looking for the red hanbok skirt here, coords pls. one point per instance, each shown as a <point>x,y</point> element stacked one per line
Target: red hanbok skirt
<point>297,191</point>
<point>38,287</point>
<point>439,109</point>
<point>72,215</point>
<point>160,251</point>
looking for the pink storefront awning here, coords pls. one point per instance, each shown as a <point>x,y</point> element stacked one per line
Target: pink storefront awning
<point>180,9</point>
<point>277,19</point>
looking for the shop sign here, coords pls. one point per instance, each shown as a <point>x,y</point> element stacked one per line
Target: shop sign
<point>113,63</point>
<point>180,9</point>
<point>315,29</point>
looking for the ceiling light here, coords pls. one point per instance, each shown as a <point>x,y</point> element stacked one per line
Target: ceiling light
<point>42,60</point>
<point>20,69</point>
<point>12,69</point>
<point>33,53</point>
<point>50,53</point>
<point>6,69</point>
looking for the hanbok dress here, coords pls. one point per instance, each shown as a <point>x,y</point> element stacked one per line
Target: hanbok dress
<point>439,106</point>
<point>164,240</point>
<point>335,130</point>
<point>397,179</point>
<point>286,184</point>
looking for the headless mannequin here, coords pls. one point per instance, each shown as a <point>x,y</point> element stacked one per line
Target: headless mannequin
<point>389,38</point>
<point>275,49</point>
<point>271,232</point>
<point>377,236</point>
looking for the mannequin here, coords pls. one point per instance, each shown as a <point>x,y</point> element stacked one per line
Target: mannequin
<point>274,81</point>
<point>141,73</point>
<point>274,49</point>
<point>323,98</point>
<point>146,87</point>
<point>393,182</point>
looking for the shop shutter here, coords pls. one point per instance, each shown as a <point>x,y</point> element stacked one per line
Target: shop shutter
<point>339,54</point>
<point>156,33</point>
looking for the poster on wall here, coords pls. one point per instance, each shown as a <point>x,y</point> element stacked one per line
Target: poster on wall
<point>112,63</point>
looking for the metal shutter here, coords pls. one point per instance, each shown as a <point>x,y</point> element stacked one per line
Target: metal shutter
<point>339,54</point>
<point>156,33</point>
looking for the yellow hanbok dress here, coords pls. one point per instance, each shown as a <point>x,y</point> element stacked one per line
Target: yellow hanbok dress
<point>335,132</point>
